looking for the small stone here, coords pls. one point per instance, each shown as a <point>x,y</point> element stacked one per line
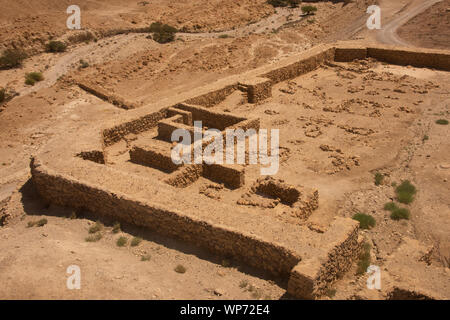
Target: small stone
<point>219,292</point>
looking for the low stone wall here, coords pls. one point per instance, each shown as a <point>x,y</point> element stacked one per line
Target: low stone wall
<point>232,176</point>
<point>185,176</point>
<point>342,244</point>
<point>187,116</point>
<point>95,156</point>
<point>214,97</point>
<point>154,158</point>
<point>416,58</point>
<point>136,126</point>
<point>277,189</point>
<point>350,54</point>
<point>105,96</point>
<point>258,89</point>
<point>167,126</point>
<point>211,119</point>
<point>303,66</point>
<point>64,191</point>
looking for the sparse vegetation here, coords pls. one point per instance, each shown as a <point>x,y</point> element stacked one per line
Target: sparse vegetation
<point>180,269</point>
<point>82,37</point>
<point>122,241</point>
<point>39,223</point>
<point>97,227</point>
<point>405,192</point>
<point>378,178</point>
<point>397,213</point>
<point>442,122</point>
<point>365,221</point>
<point>425,138</point>
<point>162,33</point>
<point>243,284</point>
<point>55,46</point>
<point>224,36</point>
<point>145,257</point>
<point>135,241</point>
<point>12,58</point>
<point>390,206</point>
<point>116,227</point>
<point>83,64</point>
<point>364,259</point>
<point>309,10</point>
<point>330,293</point>
<point>33,77</point>
<point>94,237</point>
<point>400,213</point>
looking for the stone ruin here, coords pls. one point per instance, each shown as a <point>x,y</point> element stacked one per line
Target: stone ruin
<point>79,173</point>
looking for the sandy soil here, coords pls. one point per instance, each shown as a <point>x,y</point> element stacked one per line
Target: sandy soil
<point>431,29</point>
<point>375,127</point>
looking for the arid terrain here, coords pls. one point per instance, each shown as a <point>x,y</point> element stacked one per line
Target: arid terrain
<point>351,130</point>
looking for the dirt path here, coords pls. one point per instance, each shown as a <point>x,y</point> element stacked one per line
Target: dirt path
<point>388,33</point>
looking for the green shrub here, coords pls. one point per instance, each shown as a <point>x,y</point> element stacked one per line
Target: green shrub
<point>365,221</point>
<point>135,241</point>
<point>145,257</point>
<point>97,227</point>
<point>83,64</point>
<point>405,192</point>
<point>158,27</point>
<point>164,37</point>
<point>396,212</point>
<point>12,58</point>
<point>243,284</point>
<point>82,37</point>
<point>378,178</point>
<point>224,36</point>
<point>162,33</point>
<point>400,213</point>
<point>364,259</point>
<point>55,46</point>
<point>180,269</point>
<point>122,241</point>
<point>116,227</point>
<point>94,237</point>
<point>39,223</point>
<point>308,10</point>
<point>390,206</point>
<point>33,77</point>
<point>442,122</point>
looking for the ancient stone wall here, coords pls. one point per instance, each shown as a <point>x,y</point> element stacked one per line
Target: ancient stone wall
<point>214,97</point>
<point>104,95</point>
<point>303,66</point>
<point>415,58</point>
<point>94,155</point>
<point>311,277</point>
<point>232,176</point>
<point>135,126</point>
<point>64,191</point>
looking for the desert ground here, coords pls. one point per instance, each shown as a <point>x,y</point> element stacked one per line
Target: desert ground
<point>340,126</point>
